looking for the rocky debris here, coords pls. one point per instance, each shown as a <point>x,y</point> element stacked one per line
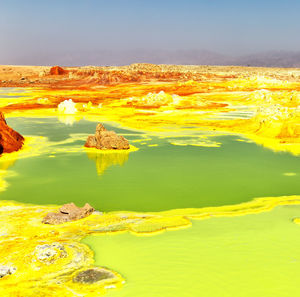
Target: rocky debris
<point>106,140</point>
<point>6,270</point>
<point>67,213</point>
<point>93,275</point>
<point>10,140</point>
<point>57,70</point>
<point>49,253</point>
<point>107,75</point>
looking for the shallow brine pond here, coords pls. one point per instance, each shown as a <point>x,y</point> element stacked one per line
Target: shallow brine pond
<point>159,176</point>
<point>250,255</point>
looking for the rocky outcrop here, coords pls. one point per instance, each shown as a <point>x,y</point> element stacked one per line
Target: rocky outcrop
<point>57,70</point>
<point>10,140</point>
<point>93,275</point>
<point>67,213</point>
<point>107,140</point>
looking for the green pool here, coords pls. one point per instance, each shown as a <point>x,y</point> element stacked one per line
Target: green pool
<point>154,178</point>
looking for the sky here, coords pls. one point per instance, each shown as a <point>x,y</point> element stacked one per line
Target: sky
<point>47,31</point>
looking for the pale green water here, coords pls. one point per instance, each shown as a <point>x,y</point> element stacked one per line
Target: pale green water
<point>253,255</point>
<point>153,178</point>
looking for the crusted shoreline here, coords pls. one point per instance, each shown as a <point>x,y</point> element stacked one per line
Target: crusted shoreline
<point>41,259</point>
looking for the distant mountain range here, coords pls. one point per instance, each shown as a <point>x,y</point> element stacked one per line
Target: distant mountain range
<point>179,57</point>
<point>270,59</point>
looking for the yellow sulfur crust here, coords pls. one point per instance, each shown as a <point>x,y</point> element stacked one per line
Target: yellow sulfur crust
<point>24,238</point>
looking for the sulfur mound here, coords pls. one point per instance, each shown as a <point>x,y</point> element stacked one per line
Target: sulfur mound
<point>106,140</point>
<point>6,270</point>
<point>67,107</point>
<point>67,213</point>
<point>10,140</point>
<point>49,253</point>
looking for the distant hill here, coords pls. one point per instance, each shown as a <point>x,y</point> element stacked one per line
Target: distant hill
<point>179,57</point>
<point>270,59</point>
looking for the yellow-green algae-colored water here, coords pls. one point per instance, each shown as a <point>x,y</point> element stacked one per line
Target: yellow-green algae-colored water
<point>47,260</point>
<point>253,254</point>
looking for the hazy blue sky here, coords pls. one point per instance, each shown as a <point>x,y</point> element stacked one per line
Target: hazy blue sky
<point>41,28</point>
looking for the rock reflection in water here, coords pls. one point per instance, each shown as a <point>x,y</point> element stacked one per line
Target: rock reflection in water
<point>4,172</point>
<point>69,119</point>
<point>105,159</point>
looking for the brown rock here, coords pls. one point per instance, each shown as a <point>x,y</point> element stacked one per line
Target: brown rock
<point>68,212</point>
<point>10,140</point>
<point>75,212</point>
<point>107,140</point>
<point>55,218</point>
